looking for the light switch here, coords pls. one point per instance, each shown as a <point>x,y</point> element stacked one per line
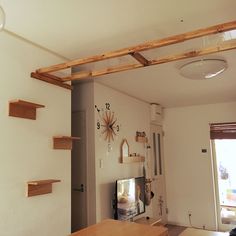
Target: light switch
<point>101,163</point>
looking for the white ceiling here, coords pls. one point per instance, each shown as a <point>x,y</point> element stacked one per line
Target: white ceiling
<point>79,28</point>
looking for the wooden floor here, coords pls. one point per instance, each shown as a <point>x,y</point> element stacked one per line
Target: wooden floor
<point>202,232</point>
<point>175,230</point>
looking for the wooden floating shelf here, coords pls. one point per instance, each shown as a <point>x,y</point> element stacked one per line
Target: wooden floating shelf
<point>23,109</point>
<point>132,159</point>
<point>63,142</point>
<point>140,139</point>
<point>39,187</point>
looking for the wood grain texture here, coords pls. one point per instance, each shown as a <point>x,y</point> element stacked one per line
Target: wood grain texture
<point>206,51</point>
<point>195,53</point>
<point>144,46</point>
<point>82,74</point>
<point>121,228</point>
<point>132,159</point>
<point>26,103</point>
<point>50,80</point>
<point>106,71</point>
<point>39,187</point>
<point>42,182</point>
<point>53,77</point>
<point>140,58</point>
<point>23,109</point>
<point>63,142</point>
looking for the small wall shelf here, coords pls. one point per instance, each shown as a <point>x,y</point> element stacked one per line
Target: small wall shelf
<point>39,187</point>
<point>140,139</point>
<point>63,142</point>
<point>132,159</point>
<point>23,109</point>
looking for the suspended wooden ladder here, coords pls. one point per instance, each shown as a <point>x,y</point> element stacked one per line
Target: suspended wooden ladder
<point>45,74</point>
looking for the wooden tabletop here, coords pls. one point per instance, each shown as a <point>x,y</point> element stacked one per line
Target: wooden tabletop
<point>121,228</point>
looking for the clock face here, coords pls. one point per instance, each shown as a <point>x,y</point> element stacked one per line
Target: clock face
<point>107,123</point>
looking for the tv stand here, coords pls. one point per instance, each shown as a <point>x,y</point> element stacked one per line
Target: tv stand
<point>149,221</point>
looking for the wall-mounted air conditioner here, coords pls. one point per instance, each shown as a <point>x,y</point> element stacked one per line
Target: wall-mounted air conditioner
<point>156,113</point>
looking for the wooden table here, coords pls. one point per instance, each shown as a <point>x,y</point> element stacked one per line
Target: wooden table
<point>121,228</point>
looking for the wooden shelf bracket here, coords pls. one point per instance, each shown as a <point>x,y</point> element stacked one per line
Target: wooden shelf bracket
<point>131,159</point>
<point>140,139</point>
<point>63,142</point>
<point>39,187</point>
<point>23,109</point>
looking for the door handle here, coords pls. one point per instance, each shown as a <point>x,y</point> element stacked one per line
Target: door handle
<point>81,189</point>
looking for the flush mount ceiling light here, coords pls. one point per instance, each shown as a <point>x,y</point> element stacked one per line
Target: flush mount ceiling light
<point>2,18</point>
<point>203,68</point>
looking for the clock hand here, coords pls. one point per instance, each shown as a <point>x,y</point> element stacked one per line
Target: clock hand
<point>111,125</point>
<point>113,132</point>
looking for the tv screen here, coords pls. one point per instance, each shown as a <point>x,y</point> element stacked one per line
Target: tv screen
<point>129,198</point>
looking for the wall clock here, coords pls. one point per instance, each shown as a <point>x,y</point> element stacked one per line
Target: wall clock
<point>107,123</point>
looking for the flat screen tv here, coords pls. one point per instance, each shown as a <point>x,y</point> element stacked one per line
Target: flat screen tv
<point>129,200</point>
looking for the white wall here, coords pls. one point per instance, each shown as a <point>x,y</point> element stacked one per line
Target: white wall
<point>189,178</point>
<point>132,115</point>
<point>26,145</point>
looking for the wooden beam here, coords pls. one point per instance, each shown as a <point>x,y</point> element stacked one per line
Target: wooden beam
<point>195,53</point>
<point>171,58</point>
<point>145,46</point>
<point>82,74</point>
<point>50,80</point>
<point>140,58</point>
<point>116,69</point>
<point>106,71</point>
<point>54,77</point>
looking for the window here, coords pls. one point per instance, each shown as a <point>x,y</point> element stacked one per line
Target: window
<point>224,143</point>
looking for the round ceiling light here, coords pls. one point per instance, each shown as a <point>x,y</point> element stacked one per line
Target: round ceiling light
<point>203,68</point>
<point>2,18</point>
